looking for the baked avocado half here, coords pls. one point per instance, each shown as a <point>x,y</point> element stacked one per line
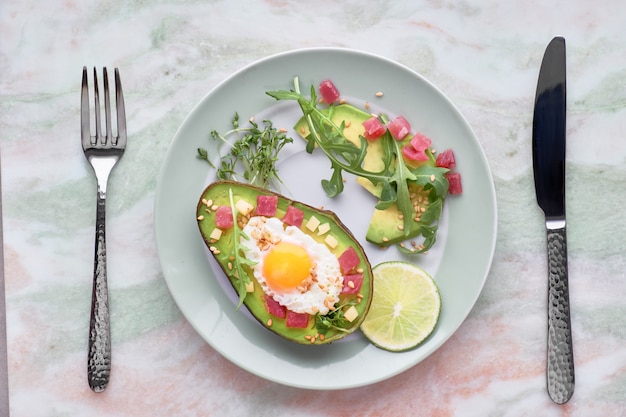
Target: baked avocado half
<point>231,218</point>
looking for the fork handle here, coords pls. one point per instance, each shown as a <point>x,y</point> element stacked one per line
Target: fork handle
<point>99,360</point>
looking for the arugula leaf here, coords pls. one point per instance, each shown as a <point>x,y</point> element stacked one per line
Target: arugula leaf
<point>395,177</point>
<point>329,137</point>
<point>240,260</point>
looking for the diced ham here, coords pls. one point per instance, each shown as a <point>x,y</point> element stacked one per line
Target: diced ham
<point>348,260</point>
<point>446,159</point>
<point>373,128</point>
<point>274,308</point>
<point>224,217</point>
<point>266,205</point>
<point>293,216</point>
<point>411,154</point>
<point>420,142</point>
<point>454,179</point>
<point>399,127</point>
<point>300,320</point>
<point>416,149</point>
<point>352,283</point>
<point>328,91</point>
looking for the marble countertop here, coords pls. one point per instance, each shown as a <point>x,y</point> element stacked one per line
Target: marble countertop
<point>484,55</point>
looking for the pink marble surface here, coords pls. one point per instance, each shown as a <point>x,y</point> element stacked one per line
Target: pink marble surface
<point>484,55</point>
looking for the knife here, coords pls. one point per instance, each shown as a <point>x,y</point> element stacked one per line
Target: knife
<point>549,172</point>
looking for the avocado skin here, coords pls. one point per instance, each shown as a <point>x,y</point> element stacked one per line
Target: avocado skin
<point>218,194</point>
<point>386,226</point>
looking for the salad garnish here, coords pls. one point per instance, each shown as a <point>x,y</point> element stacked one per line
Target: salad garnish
<point>253,156</point>
<point>395,177</point>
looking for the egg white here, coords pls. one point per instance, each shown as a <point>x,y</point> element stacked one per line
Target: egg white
<point>320,294</point>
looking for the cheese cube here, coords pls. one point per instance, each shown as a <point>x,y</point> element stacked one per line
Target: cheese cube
<point>216,234</point>
<point>350,314</point>
<point>243,207</point>
<point>331,241</point>
<point>323,228</point>
<point>312,223</point>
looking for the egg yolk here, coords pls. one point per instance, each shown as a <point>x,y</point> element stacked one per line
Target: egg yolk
<point>286,266</point>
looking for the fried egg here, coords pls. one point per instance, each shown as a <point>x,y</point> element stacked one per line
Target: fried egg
<point>295,270</point>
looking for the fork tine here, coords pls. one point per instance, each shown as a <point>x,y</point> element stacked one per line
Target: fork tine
<point>97,107</point>
<point>121,111</point>
<point>84,112</point>
<point>107,107</point>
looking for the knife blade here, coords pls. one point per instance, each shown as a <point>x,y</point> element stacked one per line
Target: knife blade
<point>549,171</point>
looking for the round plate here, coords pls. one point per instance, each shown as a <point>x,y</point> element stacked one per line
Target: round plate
<point>459,262</point>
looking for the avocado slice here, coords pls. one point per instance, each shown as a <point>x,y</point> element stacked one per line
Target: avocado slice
<point>354,118</point>
<point>331,232</point>
<point>386,226</point>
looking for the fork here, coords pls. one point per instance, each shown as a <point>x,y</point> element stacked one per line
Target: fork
<point>103,151</point>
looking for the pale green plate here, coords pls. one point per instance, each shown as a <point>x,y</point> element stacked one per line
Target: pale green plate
<point>459,263</point>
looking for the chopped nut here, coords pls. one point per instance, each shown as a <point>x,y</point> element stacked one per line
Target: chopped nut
<point>379,94</point>
<point>200,217</point>
<point>269,322</point>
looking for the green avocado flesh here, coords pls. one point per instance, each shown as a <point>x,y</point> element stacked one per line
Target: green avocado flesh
<point>386,226</point>
<point>336,237</point>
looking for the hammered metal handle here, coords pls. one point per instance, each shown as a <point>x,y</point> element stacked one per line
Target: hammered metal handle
<point>99,359</point>
<point>560,369</point>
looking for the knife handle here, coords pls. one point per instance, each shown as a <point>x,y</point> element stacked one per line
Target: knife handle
<point>560,366</point>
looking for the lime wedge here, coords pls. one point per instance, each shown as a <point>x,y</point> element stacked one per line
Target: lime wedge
<point>405,306</point>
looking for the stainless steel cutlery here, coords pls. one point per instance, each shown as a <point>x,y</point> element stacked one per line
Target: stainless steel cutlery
<point>103,149</point>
